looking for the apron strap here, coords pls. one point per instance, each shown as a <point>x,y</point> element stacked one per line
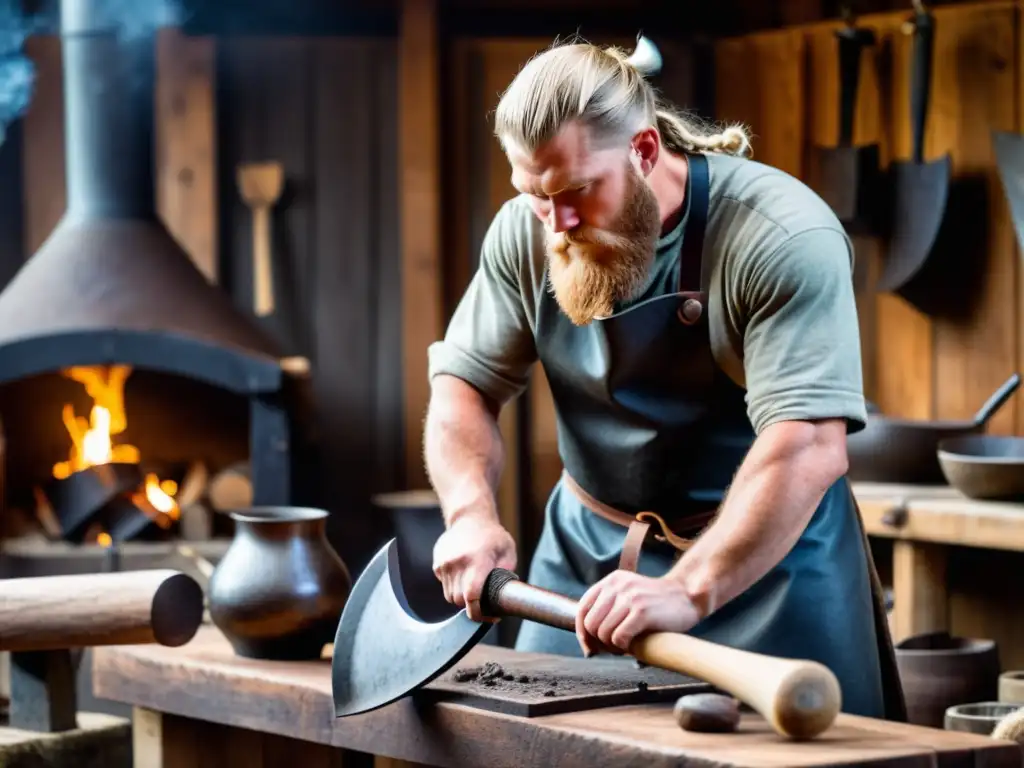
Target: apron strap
<point>691,257</point>
<point>633,545</point>
<point>638,529</point>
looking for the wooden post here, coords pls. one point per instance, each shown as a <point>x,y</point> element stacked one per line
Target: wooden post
<point>420,185</point>
<point>920,598</point>
<point>186,144</point>
<point>167,741</point>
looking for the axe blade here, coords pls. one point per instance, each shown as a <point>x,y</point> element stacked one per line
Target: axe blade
<point>382,650</point>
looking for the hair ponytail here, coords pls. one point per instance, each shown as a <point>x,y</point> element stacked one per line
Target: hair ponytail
<point>680,134</point>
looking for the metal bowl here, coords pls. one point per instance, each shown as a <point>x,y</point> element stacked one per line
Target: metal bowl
<point>980,718</point>
<point>986,467</point>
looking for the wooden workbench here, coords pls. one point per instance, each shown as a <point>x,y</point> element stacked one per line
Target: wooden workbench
<point>201,705</point>
<point>923,522</point>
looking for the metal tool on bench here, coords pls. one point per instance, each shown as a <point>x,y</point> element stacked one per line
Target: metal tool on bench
<point>383,651</point>
<point>43,619</point>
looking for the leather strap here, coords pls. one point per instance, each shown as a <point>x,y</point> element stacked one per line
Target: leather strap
<point>638,529</point>
<point>633,544</point>
<point>691,258</point>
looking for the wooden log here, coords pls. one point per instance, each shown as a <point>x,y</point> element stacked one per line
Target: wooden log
<point>231,488</point>
<point>83,610</point>
<point>193,486</point>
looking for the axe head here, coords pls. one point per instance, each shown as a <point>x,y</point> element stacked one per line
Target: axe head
<point>382,649</point>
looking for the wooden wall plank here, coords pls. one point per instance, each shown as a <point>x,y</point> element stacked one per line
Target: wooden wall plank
<point>186,138</point>
<point>904,338</point>
<point>420,189</point>
<point>1018,102</point>
<point>974,91</point>
<point>343,221</point>
<point>760,82</point>
<point>389,388</point>
<point>326,108</point>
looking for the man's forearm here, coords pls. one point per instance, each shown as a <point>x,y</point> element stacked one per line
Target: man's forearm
<point>774,495</point>
<point>463,449</point>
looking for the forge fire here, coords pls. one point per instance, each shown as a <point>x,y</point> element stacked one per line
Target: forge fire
<point>92,440</point>
<point>106,490</point>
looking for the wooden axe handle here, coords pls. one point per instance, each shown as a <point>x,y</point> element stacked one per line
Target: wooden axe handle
<point>799,698</point>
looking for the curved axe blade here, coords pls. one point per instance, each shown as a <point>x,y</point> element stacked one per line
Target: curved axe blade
<point>382,650</point>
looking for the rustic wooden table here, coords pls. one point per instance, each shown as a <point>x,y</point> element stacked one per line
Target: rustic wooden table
<point>923,522</point>
<point>200,705</point>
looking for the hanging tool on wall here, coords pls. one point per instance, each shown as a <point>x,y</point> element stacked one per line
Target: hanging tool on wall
<point>920,189</point>
<point>848,174</point>
<point>260,186</point>
<point>1009,150</point>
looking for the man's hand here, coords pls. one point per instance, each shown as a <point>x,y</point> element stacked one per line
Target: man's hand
<point>465,553</point>
<point>625,604</point>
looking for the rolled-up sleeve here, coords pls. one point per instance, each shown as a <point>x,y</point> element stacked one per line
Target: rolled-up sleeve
<point>801,344</point>
<point>489,342</point>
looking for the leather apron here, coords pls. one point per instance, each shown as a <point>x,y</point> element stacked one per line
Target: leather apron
<point>651,429</point>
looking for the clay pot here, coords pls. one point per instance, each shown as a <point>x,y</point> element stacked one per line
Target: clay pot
<point>279,590</point>
<point>979,718</point>
<point>939,671</point>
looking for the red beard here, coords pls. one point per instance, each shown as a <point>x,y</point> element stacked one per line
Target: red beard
<point>590,269</point>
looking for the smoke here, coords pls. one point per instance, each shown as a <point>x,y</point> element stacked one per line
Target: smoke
<point>16,71</point>
<point>132,19</point>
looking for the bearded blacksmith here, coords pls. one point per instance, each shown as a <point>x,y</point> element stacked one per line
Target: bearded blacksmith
<point>694,314</point>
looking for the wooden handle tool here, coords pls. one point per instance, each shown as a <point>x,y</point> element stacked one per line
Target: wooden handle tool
<point>260,186</point>
<point>800,699</point>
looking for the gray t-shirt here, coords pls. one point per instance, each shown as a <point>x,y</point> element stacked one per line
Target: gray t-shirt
<point>777,267</point>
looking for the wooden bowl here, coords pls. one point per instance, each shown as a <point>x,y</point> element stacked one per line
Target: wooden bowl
<point>989,467</point>
<point>979,718</point>
<point>1011,687</point>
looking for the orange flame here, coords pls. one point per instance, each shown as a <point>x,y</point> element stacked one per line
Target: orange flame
<point>92,441</point>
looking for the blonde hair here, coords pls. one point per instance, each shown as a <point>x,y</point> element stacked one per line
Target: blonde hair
<point>605,91</point>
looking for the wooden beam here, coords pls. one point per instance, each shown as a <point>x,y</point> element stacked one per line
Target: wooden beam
<point>920,596</point>
<point>420,234</point>
<point>167,741</point>
<point>186,144</point>
<point>940,515</point>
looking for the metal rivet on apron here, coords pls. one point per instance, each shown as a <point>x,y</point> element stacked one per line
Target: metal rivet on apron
<point>690,312</point>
